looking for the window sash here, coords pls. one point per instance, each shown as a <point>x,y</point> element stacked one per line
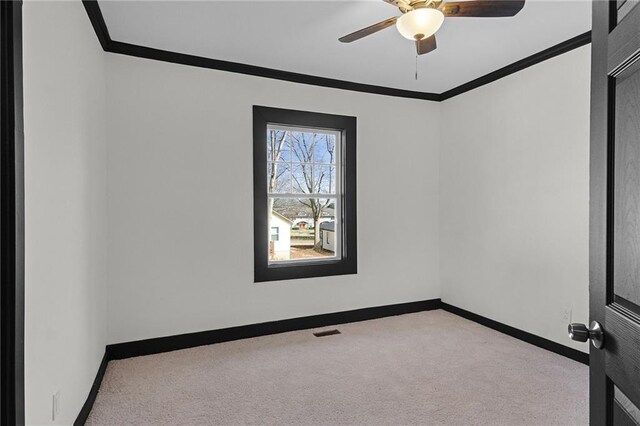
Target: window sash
<point>337,164</point>
<point>337,194</point>
<point>338,243</point>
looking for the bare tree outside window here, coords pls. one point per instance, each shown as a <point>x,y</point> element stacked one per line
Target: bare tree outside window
<point>277,141</point>
<point>314,178</point>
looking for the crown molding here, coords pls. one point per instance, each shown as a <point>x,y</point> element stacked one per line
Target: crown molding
<point>108,45</point>
<point>536,58</point>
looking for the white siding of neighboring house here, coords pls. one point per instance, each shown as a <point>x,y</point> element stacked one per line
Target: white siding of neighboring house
<point>282,246</point>
<point>329,240</point>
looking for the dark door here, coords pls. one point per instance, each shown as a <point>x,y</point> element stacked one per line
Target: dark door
<point>614,262</point>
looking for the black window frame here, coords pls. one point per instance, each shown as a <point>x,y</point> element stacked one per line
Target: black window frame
<point>12,313</point>
<point>348,262</point>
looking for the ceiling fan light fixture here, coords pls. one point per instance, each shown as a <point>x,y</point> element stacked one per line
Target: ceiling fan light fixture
<point>420,23</point>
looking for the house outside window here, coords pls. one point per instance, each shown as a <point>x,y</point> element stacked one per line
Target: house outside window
<point>304,179</point>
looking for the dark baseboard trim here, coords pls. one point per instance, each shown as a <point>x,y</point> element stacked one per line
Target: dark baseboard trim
<point>93,393</point>
<point>108,45</point>
<point>560,48</point>
<point>190,340</point>
<point>538,341</point>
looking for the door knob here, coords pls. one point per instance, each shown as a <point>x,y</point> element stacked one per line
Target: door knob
<point>580,333</point>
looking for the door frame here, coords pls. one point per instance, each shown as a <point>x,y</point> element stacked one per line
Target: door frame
<point>599,205</point>
<point>12,407</point>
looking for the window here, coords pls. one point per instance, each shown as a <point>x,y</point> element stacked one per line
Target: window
<point>304,185</point>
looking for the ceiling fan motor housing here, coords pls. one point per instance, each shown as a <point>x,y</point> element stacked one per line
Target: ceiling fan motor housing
<point>418,4</point>
<point>420,23</point>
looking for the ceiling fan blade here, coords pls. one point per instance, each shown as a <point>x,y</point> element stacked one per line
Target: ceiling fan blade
<point>368,31</point>
<point>482,8</point>
<point>426,45</point>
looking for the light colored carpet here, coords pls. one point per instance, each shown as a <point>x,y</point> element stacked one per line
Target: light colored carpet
<point>431,368</point>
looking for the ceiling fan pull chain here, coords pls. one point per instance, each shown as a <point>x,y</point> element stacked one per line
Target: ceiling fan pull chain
<point>416,67</point>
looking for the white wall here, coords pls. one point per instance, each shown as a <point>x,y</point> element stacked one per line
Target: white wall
<point>180,163</point>
<point>65,207</point>
<point>514,184</point>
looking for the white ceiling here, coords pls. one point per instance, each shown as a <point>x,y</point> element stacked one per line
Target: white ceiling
<point>302,36</point>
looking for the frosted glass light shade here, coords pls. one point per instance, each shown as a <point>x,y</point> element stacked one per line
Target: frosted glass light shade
<point>420,23</point>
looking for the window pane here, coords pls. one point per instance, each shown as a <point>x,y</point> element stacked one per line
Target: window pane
<point>313,179</point>
<point>302,178</point>
<point>302,146</point>
<point>278,178</point>
<point>325,149</point>
<point>324,178</point>
<point>278,145</point>
<point>307,228</point>
<point>275,233</point>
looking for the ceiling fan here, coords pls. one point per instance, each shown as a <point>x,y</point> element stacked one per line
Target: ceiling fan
<point>421,19</point>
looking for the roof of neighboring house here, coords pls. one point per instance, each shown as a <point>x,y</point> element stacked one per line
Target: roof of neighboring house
<point>276,214</point>
<point>328,226</point>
